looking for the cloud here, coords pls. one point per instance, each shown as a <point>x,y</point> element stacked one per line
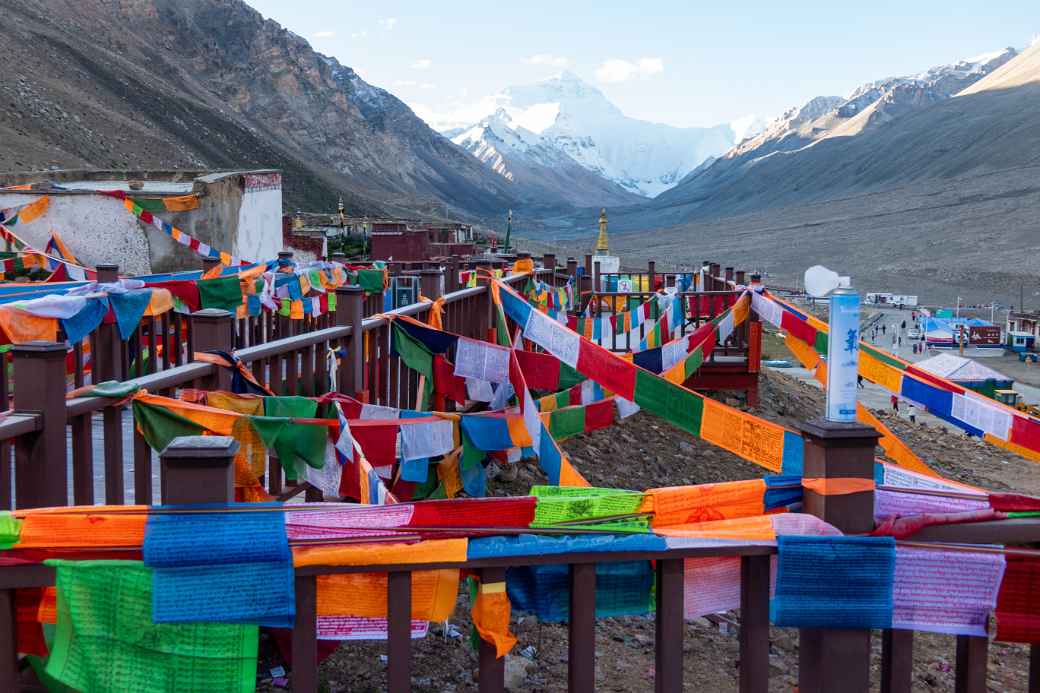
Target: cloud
<point>389,23</point>
<point>618,70</point>
<point>427,85</point>
<point>422,64</point>
<point>321,35</point>
<point>547,59</point>
<point>405,83</point>
<point>359,34</point>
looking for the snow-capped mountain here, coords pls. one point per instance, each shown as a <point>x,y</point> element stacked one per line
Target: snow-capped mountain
<point>565,114</point>
<point>540,173</point>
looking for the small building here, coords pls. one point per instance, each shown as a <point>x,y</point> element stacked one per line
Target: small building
<point>1023,324</point>
<point>238,212</point>
<point>966,373</point>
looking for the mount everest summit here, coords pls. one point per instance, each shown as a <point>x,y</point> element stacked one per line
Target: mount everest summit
<point>563,121</point>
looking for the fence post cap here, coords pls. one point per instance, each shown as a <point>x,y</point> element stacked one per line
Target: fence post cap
<point>40,349</point>
<point>106,266</point>
<point>201,447</point>
<point>349,289</point>
<point>833,430</point>
<point>285,253</point>
<point>211,314</point>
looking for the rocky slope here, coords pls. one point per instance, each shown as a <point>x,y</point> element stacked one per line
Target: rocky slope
<point>211,83</point>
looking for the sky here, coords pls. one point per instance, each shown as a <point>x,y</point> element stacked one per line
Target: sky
<point>681,62</point>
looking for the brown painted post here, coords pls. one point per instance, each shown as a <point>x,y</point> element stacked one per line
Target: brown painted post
<point>431,283</point>
<point>214,331</point>
<point>837,659</point>
<point>588,271</point>
<point>729,276</point>
<point>669,627</point>
<point>595,277</point>
<point>1034,669</point>
<point>972,657</point>
<point>754,623</point>
<point>350,312</point>
<point>451,280</point>
<point>581,645</point>
<point>492,667</point>
<point>549,261</point>
<point>714,269</point>
<point>108,361</point>
<point>40,478</point>
<point>651,273</point>
<point>9,678</point>
<point>741,278</point>
<point>897,661</point>
<point>399,632</point>
<point>572,267</point>
<point>198,469</point>
<point>339,257</point>
<point>209,263</point>
<point>305,636</point>
<point>285,255</point>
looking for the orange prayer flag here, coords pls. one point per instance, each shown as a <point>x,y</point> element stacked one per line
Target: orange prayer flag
<point>838,486</point>
<point>677,505</point>
<point>758,528</point>
<point>434,594</point>
<point>431,551</point>
<point>21,327</point>
<point>71,527</point>
<point>490,613</point>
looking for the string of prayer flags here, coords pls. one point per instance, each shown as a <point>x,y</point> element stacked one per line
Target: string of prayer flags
<point>105,639</point>
<point>972,412</point>
<point>950,592</point>
<point>547,373</point>
<point>1018,603</point>
<point>569,421</point>
<point>241,573</point>
<point>481,361</point>
<point>146,216</point>
<point>834,582</point>
<point>415,355</point>
<point>103,527</point>
<point>23,214</point>
<point>759,441</point>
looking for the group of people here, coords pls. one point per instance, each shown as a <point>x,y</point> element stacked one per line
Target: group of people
<point>917,344</point>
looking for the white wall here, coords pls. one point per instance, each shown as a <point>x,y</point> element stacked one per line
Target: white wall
<point>96,228</point>
<point>260,217</point>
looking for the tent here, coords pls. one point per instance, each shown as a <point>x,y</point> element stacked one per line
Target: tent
<point>967,373</point>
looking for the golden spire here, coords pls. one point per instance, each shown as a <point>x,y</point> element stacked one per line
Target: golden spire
<point>601,242</point>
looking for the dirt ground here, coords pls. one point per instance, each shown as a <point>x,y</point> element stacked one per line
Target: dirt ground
<point>643,452</point>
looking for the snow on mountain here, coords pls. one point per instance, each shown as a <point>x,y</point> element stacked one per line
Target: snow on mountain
<point>542,173</point>
<point>574,118</point>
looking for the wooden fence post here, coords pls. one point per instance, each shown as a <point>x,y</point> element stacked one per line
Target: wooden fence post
<point>831,660</point>
<point>549,261</point>
<point>209,263</point>
<point>350,313</point>
<point>729,276</point>
<point>108,357</point>
<point>492,667</point>
<point>40,474</point>
<point>214,331</point>
<point>651,274</point>
<point>431,283</point>
<point>198,469</point>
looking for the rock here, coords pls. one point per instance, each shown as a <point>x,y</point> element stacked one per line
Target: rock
<point>516,672</point>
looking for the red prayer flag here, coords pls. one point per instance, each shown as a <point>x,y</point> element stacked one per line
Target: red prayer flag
<point>608,370</point>
<point>1018,603</point>
<point>474,512</point>
<point>599,415</point>
<point>1025,431</point>
<point>378,441</point>
<point>541,371</point>
<point>445,382</point>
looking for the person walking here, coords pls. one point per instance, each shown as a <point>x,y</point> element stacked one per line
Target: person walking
<point>895,404</point>
<point>903,325</point>
<point>912,413</point>
<point>859,381</point>
<point>882,328</point>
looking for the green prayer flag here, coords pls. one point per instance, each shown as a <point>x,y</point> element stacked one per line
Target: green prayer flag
<point>223,292</point>
<point>675,404</point>
<point>569,376</point>
<point>567,422</point>
<point>155,206</point>
<point>370,280</point>
<point>693,362</point>
<point>292,442</point>
<point>580,503</point>
<point>820,344</point>
<point>159,426</point>
<point>105,639</point>
<point>416,356</point>
<point>10,529</point>
<point>332,301</point>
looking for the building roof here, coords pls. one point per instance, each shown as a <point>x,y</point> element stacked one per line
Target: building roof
<point>960,369</point>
